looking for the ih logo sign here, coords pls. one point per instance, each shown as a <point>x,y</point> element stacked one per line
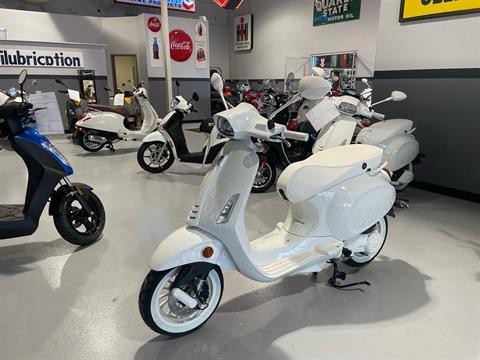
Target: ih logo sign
<point>424,9</point>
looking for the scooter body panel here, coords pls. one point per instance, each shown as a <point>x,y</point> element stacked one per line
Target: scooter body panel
<point>103,121</point>
<point>337,133</point>
<point>185,246</point>
<point>45,170</point>
<point>400,151</point>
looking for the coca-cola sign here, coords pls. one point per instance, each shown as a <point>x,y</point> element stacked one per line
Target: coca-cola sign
<point>154,24</point>
<point>181,45</point>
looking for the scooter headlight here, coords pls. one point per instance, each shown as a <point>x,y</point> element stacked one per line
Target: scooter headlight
<point>224,127</point>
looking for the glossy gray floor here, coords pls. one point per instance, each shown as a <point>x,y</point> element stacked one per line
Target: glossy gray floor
<point>61,302</point>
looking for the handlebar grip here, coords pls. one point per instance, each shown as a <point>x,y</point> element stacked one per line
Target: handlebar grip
<point>378,115</point>
<point>294,135</point>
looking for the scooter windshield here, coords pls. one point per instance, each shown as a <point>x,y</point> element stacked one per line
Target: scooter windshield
<point>33,136</point>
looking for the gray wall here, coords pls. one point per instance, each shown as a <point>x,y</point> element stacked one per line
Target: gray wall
<point>445,112</point>
<point>158,96</point>
<point>436,62</point>
<point>284,28</point>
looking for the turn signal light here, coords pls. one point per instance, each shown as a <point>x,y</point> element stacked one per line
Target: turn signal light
<point>207,252</point>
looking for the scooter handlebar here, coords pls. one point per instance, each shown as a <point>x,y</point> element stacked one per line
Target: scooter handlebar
<point>378,115</point>
<point>294,135</point>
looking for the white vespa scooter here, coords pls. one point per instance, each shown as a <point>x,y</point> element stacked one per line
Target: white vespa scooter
<point>112,124</point>
<point>338,202</point>
<point>394,136</point>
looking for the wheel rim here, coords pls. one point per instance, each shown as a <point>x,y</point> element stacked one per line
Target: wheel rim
<point>374,241</point>
<point>93,141</point>
<point>156,155</point>
<point>170,315</point>
<point>264,174</point>
<point>82,222</point>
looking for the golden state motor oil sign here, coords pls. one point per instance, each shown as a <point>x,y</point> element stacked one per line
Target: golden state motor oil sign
<point>424,9</point>
<point>333,11</point>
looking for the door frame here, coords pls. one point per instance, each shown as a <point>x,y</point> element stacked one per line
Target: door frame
<point>114,69</point>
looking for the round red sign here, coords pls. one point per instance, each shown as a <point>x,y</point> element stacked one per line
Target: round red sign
<point>154,24</point>
<point>181,45</point>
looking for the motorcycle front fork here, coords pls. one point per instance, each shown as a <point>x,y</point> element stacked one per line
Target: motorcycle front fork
<point>79,195</point>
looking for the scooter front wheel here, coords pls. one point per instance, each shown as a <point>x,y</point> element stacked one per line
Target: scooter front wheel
<point>375,240</point>
<point>155,157</point>
<point>74,224</point>
<point>266,176</point>
<point>165,313</point>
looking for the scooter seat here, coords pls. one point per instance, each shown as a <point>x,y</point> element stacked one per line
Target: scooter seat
<point>121,110</point>
<point>383,130</point>
<point>325,169</point>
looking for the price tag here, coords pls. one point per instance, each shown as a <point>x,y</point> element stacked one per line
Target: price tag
<point>118,100</point>
<point>322,114</point>
<point>74,95</point>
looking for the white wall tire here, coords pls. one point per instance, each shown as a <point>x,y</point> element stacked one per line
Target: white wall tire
<point>375,240</point>
<point>155,299</point>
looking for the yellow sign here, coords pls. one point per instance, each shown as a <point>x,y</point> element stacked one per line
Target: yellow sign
<point>424,9</point>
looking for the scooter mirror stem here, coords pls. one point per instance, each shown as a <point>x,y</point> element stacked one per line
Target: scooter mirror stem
<point>381,102</point>
<point>292,101</point>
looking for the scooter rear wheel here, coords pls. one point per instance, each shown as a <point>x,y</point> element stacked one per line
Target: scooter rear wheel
<point>74,224</point>
<point>87,144</point>
<point>376,237</point>
<point>167,315</point>
<point>150,159</point>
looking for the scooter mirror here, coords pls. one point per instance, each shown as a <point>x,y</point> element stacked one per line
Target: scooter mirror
<point>398,96</point>
<point>316,71</point>
<point>195,97</point>
<point>22,77</point>
<point>314,87</point>
<point>217,82</point>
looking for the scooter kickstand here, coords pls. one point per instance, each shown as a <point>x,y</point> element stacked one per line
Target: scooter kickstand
<point>111,148</point>
<point>337,274</point>
<point>402,203</point>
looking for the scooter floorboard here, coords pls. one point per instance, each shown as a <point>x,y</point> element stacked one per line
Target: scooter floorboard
<point>11,213</point>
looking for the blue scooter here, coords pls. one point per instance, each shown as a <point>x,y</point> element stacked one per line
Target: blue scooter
<point>78,214</point>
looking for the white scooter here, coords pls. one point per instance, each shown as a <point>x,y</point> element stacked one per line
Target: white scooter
<point>338,202</point>
<point>111,124</point>
<point>168,143</point>
<point>394,136</point>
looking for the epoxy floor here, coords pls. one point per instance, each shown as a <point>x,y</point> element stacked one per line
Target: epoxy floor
<point>61,302</point>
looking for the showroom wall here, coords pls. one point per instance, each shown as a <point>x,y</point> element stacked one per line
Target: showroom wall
<point>120,34</point>
<point>437,63</point>
<point>284,29</point>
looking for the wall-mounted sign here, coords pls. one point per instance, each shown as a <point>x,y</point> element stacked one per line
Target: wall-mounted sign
<point>181,45</point>
<point>41,58</point>
<point>182,5</point>
<point>229,4</point>
<point>333,11</point>
<point>424,9</point>
<point>243,33</point>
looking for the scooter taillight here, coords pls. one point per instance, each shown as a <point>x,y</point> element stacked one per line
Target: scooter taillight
<point>83,117</point>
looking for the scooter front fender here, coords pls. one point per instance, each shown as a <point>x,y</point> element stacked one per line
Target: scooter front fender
<point>186,246</point>
<point>154,137</point>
